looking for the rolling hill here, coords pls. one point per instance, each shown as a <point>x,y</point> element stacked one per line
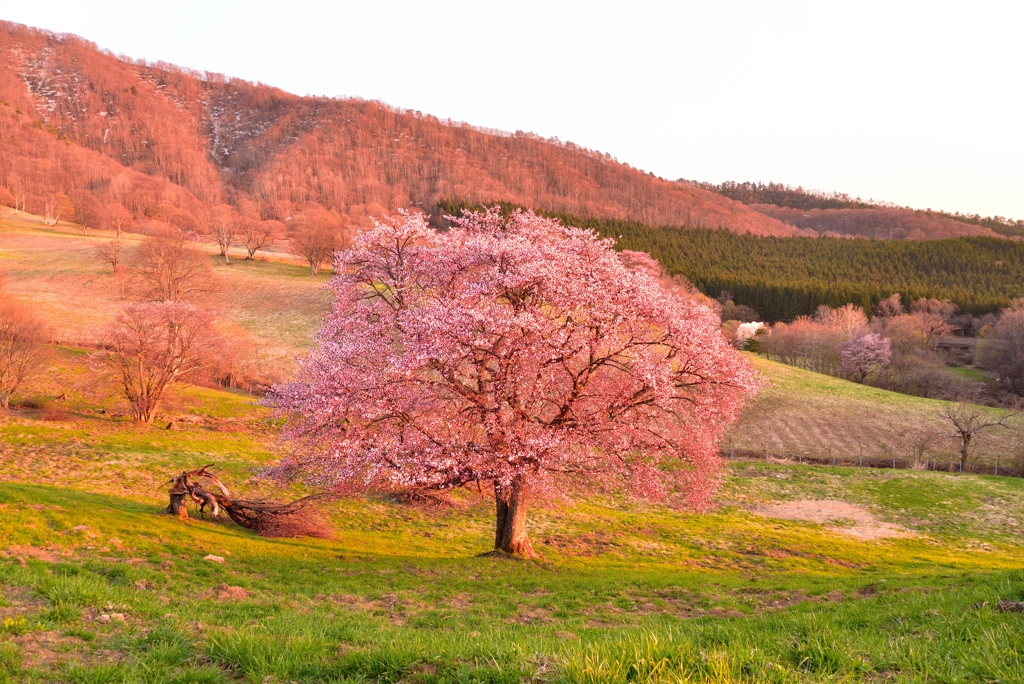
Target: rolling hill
<point>839,215</point>
<point>271,308</point>
<point>805,573</point>
<point>76,119</point>
<point>788,580</point>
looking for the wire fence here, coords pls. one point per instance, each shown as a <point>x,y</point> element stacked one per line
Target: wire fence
<point>945,465</point>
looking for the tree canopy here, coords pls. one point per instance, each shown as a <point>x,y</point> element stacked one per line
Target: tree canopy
<point>513,353</point>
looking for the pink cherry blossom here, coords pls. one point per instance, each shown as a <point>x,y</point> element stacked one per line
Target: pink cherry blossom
<point>511,354</point>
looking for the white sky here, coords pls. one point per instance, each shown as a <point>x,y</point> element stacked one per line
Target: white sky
<point>921,104</point>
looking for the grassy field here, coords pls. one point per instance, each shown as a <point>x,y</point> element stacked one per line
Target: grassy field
<point>898,580</point>
<point>271,305</point>
<point>810,414</point>
<point>803,574</point>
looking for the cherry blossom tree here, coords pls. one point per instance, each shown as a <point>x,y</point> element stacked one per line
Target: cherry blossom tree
<point>512,354</point>
<point>861,354</point>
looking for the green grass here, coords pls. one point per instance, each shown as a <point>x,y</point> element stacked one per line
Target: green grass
<point>624,592</point>
<point>975,374</point>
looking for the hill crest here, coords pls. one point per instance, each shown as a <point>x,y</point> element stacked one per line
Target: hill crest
<point>227,140</point>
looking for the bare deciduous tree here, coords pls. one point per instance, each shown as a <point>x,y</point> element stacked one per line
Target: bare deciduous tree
<point>152,345</point>
<point>847,318</point>
<point>119,217</point>
<point>223,228</point>
<point>111,253</point>
<point>21,345</point>
<point>1003,350</point>
<point>967,421</point>
<point>889,307</point>
<point>316,236</point>
<point>88,211</point>
<point>55,207</point>
<point>165,267</point>
<point>256,235</point>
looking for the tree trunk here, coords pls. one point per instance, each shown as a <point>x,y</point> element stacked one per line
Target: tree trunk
<point>510,531</point>
<point>965,445</point>
<point>177,504</point>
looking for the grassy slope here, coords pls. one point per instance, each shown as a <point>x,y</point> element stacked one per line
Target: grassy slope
<point>624,593</point>
<point>818,415</point>
<point>272,305</point>
<point>277,305</point>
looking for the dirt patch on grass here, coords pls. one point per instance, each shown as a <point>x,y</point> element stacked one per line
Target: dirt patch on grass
<point>20,553</point>
<point>228,593</point>
<point>42,649</point>
<point>841,516</point>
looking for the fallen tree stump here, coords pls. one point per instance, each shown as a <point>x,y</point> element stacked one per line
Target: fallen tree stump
<point>267,518</point>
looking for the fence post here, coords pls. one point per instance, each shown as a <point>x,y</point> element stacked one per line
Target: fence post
<point>926,464</point>
<point>894,464</point>
<point>801,457</point>
<point>997,465</point>
<point>961,466</point>
<point>833,462</point>
<point>766,455</point>
<point>732,457</point>
<point>861,462</point>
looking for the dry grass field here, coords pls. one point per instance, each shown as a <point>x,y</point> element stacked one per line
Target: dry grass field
<point>814,415</point>
<point>271,305</point>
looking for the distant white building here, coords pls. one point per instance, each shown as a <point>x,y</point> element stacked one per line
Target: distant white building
<point>746,331</point>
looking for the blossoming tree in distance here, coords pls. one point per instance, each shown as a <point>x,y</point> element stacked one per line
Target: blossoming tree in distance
<point>513,354</point>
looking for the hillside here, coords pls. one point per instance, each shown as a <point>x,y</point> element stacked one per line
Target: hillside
<point>804,573</point>
<point>810,415</point>
<point>839,215</point>
<point>69,110</point>
<point>271,308</point>
<point>786,277</point>
<point>810,574</point>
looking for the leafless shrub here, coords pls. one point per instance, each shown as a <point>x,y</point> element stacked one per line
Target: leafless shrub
<point>111,253</point>
<point>22,351</point>
<point>165,267</point>
<point>154,344</point>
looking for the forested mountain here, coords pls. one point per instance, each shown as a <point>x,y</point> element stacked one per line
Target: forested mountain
<point>837,214</point>
<point>76,120</point>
